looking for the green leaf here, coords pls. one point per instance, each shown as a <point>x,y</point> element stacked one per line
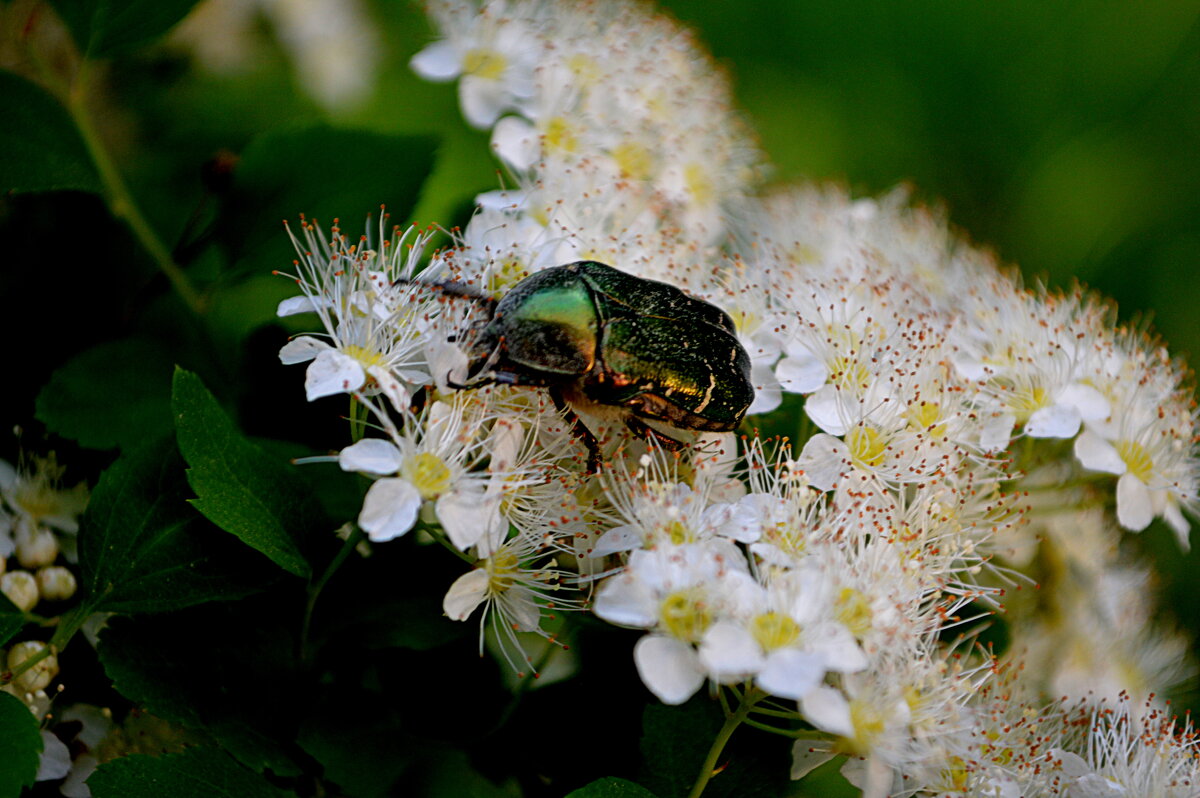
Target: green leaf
<point>675,741</point>
<point>240,686</point>
<point>194,773</point>
<point>104,28</point>
<point>323,173</point>
<point>115,394</point>
<point>239,488</point>
<point>417,623</point>
<point>40,147</point>
<point>451,773</point>
<point>611,787</point>
<point>11,619</point>
<point>142,548</point>
<point>364,756</point>
<point>21,747</point>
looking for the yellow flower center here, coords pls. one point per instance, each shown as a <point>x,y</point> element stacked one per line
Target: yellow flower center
<point>786,538</point>
<point>684,615</point>
<point>502,568</point>
<point>1137,460</point>
<point>956,773</point>
<point>585,69</point>
<point>364,356</point>
<point>924,417</point>
<point>1023,402</point>
<point>803,253</point>
<point>427,473</point>
<point>678,533</point>
<point>774,630</point>
<point>868,724</point>
<point>699,183</point>
<point>745,320</point>
<point>847,372</point>
<point>1001,756</point>
<point>867,445</point>
<point>633,160</point>
<point>484,63</point>
<point>853,610</point>
<point>505,275</point>
<point>560,136</point>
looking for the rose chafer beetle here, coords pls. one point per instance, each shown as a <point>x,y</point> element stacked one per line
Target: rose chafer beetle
<point>595,335</point>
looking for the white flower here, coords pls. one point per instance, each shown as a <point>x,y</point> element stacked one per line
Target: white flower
<point>677,592</point>
<point>1149,445</point>
<point>493,49</point>
<point>515,592</point>
<point>374,314</point>
<point>430,460</point>
<point>787,639</point>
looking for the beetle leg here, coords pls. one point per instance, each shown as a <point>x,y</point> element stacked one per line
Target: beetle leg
<point>645,431</point>
<point>581,430</point>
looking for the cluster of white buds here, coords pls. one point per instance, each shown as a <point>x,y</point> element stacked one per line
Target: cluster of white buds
<point>827,571</point>
<point>38,522</point>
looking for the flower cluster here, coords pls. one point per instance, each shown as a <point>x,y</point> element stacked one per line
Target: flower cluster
<point>954,420</point>
<point>38,523</point>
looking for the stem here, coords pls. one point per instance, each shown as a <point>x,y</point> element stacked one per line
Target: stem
<point>437,534</point>
<point>121,202</point>
<point>357,419</point>
<point>732,721</point>
<point>68,624</point>
<point>767,727</point>
<point>314,590</point>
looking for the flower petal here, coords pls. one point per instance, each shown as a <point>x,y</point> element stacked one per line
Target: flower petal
<point>439,62</point>
<point>824,460</point>
<point>56,758</point>
<point>729,652</point>
<point>808,754</point>
<point>468,516</point>
<point>482,100</point>
<point>1097,454</point>
<point>1056,421</point>
<point>825,409</point>
<point>801,374</point>
<point>791,673</point>
<point>516,142</point>
<point>1135,504</point>
<point>371,455</point>
<point>828,710</point>
<point>332,373</point>
<point>668,667</point>
<point>389,509</point>
<point>467,593</point>
<point>301,350</point>
<point>1089,402</point>
<point>301,304</point>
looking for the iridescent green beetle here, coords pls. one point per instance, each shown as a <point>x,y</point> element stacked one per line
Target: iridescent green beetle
<point>590,332</point>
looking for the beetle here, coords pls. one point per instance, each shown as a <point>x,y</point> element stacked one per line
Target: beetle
<point>593,334</point>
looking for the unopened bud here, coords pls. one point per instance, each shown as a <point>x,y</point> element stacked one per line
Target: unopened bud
<point>56,583</point>
<point>41,673</point>
<point>36,547</point>
<point>21,589</point>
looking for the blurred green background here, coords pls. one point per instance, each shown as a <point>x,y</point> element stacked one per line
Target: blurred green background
<point>1065,135</point>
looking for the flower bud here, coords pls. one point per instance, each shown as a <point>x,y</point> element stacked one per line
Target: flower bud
<point>21,589</point>
<point>36,547</point>
<point>39,675</point>
<point>56,583</point>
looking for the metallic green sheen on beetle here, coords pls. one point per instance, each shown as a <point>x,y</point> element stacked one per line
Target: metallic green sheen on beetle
<point>589,329</point>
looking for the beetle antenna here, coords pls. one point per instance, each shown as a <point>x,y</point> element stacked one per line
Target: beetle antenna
<point>456,290</point>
